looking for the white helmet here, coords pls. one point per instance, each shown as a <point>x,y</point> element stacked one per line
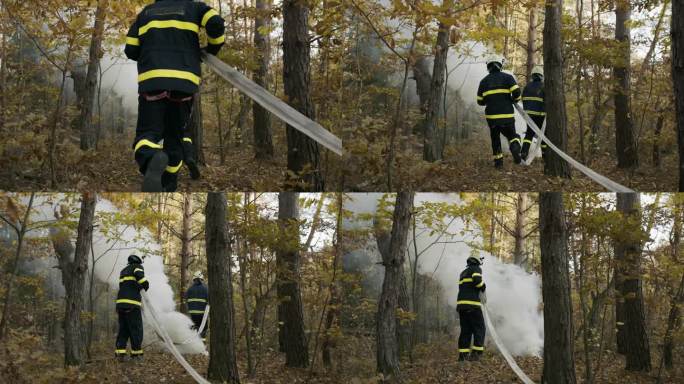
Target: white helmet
<point>495,59</point>
<point>537,70</point>
<point>198,275</point>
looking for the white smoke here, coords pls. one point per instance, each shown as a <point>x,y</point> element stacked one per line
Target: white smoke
<point>513,295</point>
<point>111,253</point>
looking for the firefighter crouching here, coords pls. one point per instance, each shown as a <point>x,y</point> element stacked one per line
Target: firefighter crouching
<point>469,307</point>
<point>128,303</point>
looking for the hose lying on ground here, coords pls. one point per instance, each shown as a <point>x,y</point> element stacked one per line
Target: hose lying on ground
<point>151,315</point>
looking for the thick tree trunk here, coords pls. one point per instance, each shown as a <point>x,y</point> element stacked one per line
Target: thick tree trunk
<point>185,249</point>
<point>559,359</point>
<point>73,277</point>
<point>263,142</point>
<point>303,154</point>
<point>222,358</point>
<point>677,32</point>
<point>431,140</point>
<point>628,256</point>
<point>87,128</point>
<point>625,140</point>
<point>556,122</point>
<point>289,291</point>
<point>387,345</point>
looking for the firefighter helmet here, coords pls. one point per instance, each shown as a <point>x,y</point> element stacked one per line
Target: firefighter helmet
<point>198,275</point>
<point>537,70</point>
<point>495,60</point>
<point>134,259</point>
<point>472,260</point>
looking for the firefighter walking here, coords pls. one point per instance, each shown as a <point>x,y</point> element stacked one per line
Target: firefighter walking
<point>469,307</point>
<point>198,299</point>
<point>533,104</point>
<point>164,40</point>
<point>497,92</point>
<point>128,303</point>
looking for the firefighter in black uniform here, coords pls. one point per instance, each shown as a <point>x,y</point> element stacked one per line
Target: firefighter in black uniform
<point>198,299</point>
<point>128,301</point>
<point>469,307</point>
<point>498,91</point>
<point>164,40</point>
<point>533,104</point>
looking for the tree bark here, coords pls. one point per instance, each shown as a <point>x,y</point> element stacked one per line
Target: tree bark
<point>222,358</point>
<point>625,140</point>
<point>263,142</point>
<point>73,277</point>
<point>559,359</point>
<point>556,122</point>
<point>677,32</point>
<point>678,297</point>
<point>185,250</point>
<point>520,210</point>
<point>531,40</point>
<point>628,256</point>
<point>3,67</point>
<point>87,128</point>
<point>289,291</point>
<point>303,153</point>
<point>387,345</point>
<point>197,127</point>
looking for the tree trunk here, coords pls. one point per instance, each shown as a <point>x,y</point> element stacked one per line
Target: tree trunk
<point>519,250</point>
<point>196,127</point>
<point>556,122</point>
<point>657,161</point>
<point>222,359</point>
<point>303,154</point>
<point>88,132</point>
<point>678,297</point>
<point>263,142</point>
<point>531,41</point>
<point>242,265</point>
<point>431,139</point>
<point>559,359</point>
<point>628,256</point>
<point>335,301</point>
<point>185,250</point>
<point>677,32</point>
<point>625,140</point>
<point>3,68</point>
<point>73,277</point>
<point>289,291</point>
<point>387,345</point>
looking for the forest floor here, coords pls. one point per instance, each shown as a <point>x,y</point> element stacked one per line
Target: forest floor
<point>355,364</point>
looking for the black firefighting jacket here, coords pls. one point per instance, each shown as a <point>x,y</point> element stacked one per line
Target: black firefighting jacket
<point>131,281</point>
<point>198,298</point>
<point>498,91</point>
<point>164,40</point>
<point>533,98</point>
<point>470,285</point>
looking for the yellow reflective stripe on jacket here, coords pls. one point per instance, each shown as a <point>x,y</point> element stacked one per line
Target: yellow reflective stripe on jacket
<point>185,75</point>
<point>133,41</point>
<point>127,301</point>
<point>195,312</point>
<point>476,348</point>
<point>216,41</point>
<point>480,98</point>
<point>144,279</point>
<point>530,98</point>
<point>513,88</point>
<point>174,169</point>
<point>501,116</point>
<point>536,113</point>
<point>127,278</point>
<point>494,91</point>
<point>145,142</point>
<point>480,285</point>
<point>184,25</point>
<point>210,13</point>
<point>476,274</point>
<point>189,140</point>
<point>465,280</point>
<point>197,300</point>
<point>138,269</point>
<point>469,302</point>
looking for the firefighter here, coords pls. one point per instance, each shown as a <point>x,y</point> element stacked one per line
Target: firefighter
<point>164,40</point>
<point>469,306</point>
<point>128,302</point>
<point>198,299</point>
<point>533,104</point>
<point>498,91</point>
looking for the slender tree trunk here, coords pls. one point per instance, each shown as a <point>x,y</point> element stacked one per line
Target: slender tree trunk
<point>196,127</point>
<point>303,154</point>
<point>657,161</point>
<point>625,140</point>
<point>289,291</point>
<point>520,210</point>
<point>531,41</point>
<point>88,132</point>
<point>9,284</point>
<point>628,254</point>
<point>556,122</point>
<point>678,297</point>
<point>578,86</point>
<point>222,357</point>
<point>185,250</point>
<point>242,264</point>
<point>263,142</point>
<point>677,33</point>
<point>559,359</point>
<point>334,302</point>
<point>387,345</point>
<point>3,67</point>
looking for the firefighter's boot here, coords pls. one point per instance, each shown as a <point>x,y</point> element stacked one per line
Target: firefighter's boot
<point>153,175</point>
<point>463,356</point>
<point>525,151</point>
<point>475,356</point>
<point>515,151</point>
<point>498,163</point>
<point>190,158</point>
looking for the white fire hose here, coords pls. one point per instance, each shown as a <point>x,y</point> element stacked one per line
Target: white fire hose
<point>205,317</point>
<point>151,315</point>
<point>604,181</point>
